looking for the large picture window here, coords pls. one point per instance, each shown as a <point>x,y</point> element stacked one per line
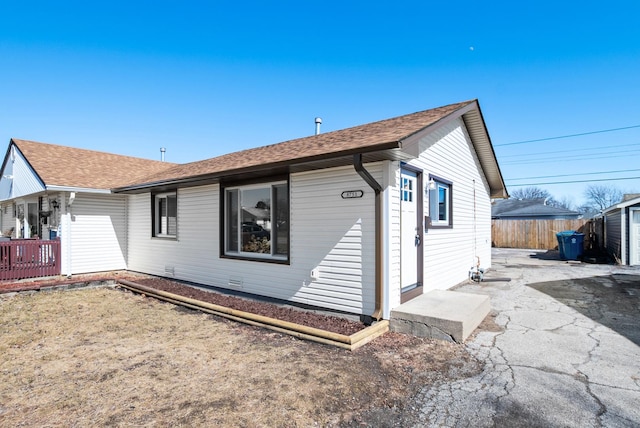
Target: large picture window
<point>165,208</point>
<point>440,202</point>
<point>256,221</point>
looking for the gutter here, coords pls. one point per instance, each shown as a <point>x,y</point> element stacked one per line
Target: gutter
<point>377,188</point>
<point>285,165</point>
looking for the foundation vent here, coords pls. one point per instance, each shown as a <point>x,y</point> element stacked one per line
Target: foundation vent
<point>235,282</point>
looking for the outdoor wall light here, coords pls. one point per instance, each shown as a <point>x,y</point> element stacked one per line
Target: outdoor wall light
<point>432,184</point>
<point>54,204</point>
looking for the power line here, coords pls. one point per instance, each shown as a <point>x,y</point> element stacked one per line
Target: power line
<point>573,159</point>
<point>568,136</point>
<point>573,181</point>
<point>571,175</point>
<point>571,150</point>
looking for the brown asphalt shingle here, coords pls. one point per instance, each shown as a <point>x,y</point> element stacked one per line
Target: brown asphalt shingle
<point>72,167</point>
<point>364,137</point>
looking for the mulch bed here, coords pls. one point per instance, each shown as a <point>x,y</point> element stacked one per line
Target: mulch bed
<point>334,324</point>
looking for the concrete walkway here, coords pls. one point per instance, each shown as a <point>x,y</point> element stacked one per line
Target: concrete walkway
<point>565,350</point>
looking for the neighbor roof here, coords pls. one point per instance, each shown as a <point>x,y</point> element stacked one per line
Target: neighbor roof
<point>375,141</point>
<point>506,208</point>
<point>69,167</point>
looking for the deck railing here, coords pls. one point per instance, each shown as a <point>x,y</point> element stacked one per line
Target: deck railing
<point>29,258</point>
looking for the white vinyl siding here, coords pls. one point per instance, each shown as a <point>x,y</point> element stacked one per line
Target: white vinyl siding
<point>449,253</point>
<point>18,178</point>
<point>330,235</point>
<point>195,255</point>
<point>98,233</point>
<point>192,256</point>
<point>7,219</point>
<point>332,239</point>
<point>335,238</point>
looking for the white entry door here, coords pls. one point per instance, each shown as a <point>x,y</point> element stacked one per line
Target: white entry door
<point>634,237</point>
<point>410,235</point>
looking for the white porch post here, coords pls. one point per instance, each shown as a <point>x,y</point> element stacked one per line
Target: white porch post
<point>65,235</point>
<point>21,207</point>
<point>16,226</point>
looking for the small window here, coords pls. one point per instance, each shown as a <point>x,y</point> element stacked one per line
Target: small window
<point>165,209</point>
<point>440,202</point>
<point>407,189</point>
<point>256,221</point>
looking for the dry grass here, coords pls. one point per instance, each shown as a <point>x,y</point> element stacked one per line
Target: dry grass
<point>97,357</point>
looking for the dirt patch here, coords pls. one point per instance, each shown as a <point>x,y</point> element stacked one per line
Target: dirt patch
<point>489,324</point>
<point>107,357</point>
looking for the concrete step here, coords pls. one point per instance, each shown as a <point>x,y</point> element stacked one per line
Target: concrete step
<point>441,314</point>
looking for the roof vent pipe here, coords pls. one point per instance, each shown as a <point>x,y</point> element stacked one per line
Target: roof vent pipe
<point>318,123</point>
<point>162,151</point>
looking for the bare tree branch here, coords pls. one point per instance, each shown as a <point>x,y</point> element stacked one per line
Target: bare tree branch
<point>600,196</point>
<point>530,193</point>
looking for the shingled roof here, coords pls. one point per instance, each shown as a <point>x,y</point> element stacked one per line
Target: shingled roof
<point>529,208</point>
<point>389,139</point>
<point>375,141</point>
<point>79,168</point>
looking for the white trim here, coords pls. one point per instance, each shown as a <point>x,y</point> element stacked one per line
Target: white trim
<point>55,188</point>
<point>622,205</point>
<point>633,256</point>
<point>623,237</point>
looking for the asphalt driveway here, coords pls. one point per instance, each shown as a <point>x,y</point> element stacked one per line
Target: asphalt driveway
<point>564,350</point>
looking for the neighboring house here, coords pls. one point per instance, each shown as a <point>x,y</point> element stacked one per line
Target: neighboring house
<point>357,220</point>
<point>48,190</point>
<point>622,230</point>
<point>529,209</point>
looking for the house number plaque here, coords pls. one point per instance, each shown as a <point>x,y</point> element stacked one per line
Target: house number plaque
<point>351,194</point>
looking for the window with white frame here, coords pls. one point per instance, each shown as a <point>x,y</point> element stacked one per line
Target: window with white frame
<point>440,202</point>
<point>165,217</point>
<point>256,221</point>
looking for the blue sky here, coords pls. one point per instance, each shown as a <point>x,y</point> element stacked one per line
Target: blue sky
<point>207,78</point>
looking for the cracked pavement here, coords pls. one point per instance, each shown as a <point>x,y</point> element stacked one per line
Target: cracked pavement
<point>565,351</point>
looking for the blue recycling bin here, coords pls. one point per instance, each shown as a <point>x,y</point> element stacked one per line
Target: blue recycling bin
<point>570,244</point>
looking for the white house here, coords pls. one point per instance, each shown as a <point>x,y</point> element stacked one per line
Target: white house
<point>622,230</point>
<point>50,191</point>
<point>357,220</point>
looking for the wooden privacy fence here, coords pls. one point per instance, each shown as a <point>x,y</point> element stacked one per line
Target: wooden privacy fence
<point>540,234</point>
<point>29,258</point>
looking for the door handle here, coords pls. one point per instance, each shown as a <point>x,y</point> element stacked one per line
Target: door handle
<point>417,242</point>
